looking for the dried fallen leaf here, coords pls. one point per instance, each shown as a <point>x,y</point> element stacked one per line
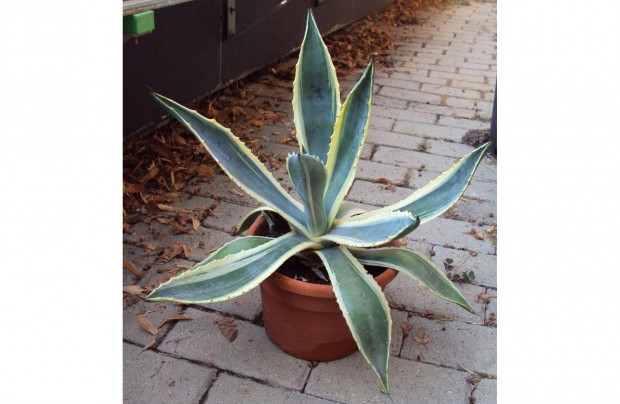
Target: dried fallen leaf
<point>168,208</point>
<point>491,229</point>
<point>430,314</point>
<point>149,248</point>
<point>195,224</point>
<point>132,268</point>
<point>132,188</point>
<point>483,296</point>
<point>182,219</point>
<point>234,191</point>
<point>135,290</point>
<point>406,327</point>
<point>185,250</point>
<point>473,253</point>
<point>149,344</point>
<point>165,197</point>
<point>127,228</point>
<point>381,180</point>
<point>476,234</point>
<point>421,337</point>
<point>286,139</point>
<point>143,198</point>
<point>152,173</point>
<point>172,271</point>
<point>175,317</point>
<point>227,327</point>
<point>146,324</point>
<point>178,229</point>
<point>171,251</point>
<point>178,139</point>
<point>165,220</point>
<point>491,321</point>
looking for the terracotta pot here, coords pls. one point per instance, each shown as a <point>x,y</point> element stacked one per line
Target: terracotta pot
<point>304,318</point>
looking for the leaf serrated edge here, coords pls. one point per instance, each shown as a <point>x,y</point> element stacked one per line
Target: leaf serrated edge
<point>246,151</point>
<point>384,303</point>
<point>255,282</point>
<point>334,145</point>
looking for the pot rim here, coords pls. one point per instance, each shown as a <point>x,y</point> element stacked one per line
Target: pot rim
<point>309,288</point>
<point>320,290</point>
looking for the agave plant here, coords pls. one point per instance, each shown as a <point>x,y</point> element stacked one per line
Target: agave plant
<point>344,238</point>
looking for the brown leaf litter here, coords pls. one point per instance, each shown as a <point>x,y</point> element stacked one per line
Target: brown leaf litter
<point>147,325</point>
<point>175,317</point>
<point>168,208</point>
<point>477,235</point>
<point>421,337</point>
<point>382,180</point>
<point>431,315</point>
<point>406,327</point>
<point>174,250</point>
<point>132,268</point>
<point>134,290</point>
<point>491,321</point>
<point>227,327</point>
<point>484,296</point>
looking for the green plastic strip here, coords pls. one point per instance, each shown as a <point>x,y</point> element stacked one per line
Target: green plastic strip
<point>139,23</point>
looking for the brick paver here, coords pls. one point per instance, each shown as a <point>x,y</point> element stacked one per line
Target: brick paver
<point>442,85</point>
<point>453,344</point>
<point>150,377</point>
<point>250,354</point>
<point>229,389</point>
<point>486,392</point>
<point>350,380</point>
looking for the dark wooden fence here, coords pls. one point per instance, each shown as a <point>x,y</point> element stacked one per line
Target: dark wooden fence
<point>199,46</point>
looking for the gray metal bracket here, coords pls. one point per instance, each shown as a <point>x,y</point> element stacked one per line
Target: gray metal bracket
<point>231,17</point>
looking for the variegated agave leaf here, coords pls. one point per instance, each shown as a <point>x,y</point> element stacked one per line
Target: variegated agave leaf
<point>441,193</point>
<point>346,142</point>
<point>370,231</point>
<point>364,307</point>
<point>309,179</point>
<point>347,210</point>
<point>415,265</point>
<point>238,271</point>
<point>316,93</point>
<point>238,162</point>
<point>265,211</point>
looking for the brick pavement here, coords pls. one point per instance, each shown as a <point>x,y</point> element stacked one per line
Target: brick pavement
<point>440,87</point>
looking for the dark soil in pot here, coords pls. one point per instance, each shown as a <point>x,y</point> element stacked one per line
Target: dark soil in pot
<point>296,269</point>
